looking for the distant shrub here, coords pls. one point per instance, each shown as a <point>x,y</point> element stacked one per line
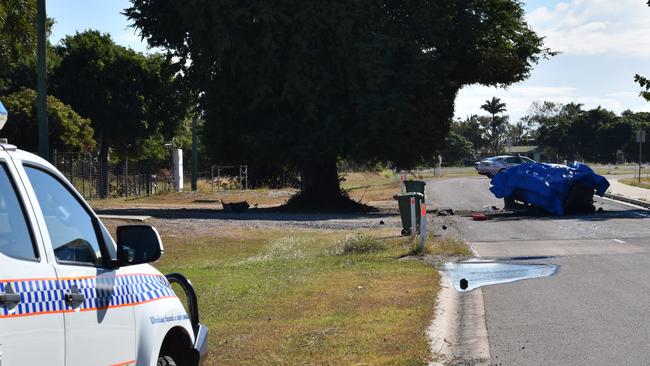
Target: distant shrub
<point>388,173</point>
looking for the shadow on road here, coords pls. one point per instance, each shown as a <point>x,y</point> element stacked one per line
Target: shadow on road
<point>596,216</point>
<point>252,214</point>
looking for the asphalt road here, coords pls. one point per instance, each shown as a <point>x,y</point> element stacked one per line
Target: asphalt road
<point>594,311</point>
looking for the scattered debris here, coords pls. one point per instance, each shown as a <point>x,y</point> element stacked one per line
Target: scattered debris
<point>235,206</point>
<point>463,284</point>
<point>490,209</point>
<point>479,216</point>
<point>446,212</point>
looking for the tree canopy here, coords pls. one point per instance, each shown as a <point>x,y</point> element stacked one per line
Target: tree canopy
<point>304,83</point>
<point>567,131</point>
<point>128,96</point>
<point>68,131</point>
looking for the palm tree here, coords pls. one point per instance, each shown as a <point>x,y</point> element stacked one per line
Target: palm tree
<point>494,107</point>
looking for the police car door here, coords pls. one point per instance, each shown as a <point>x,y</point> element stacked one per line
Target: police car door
<point>99,323</point>
<point>31,312</point>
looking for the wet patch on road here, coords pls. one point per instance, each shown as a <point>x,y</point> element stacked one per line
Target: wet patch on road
<point>468,275</point>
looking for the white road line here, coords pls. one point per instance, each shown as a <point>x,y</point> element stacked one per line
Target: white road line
<point>619,241</point>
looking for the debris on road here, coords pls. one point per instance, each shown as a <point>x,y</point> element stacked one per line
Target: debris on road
<point>479,216</point>
<point>558,189</point>
<point>446,212</point>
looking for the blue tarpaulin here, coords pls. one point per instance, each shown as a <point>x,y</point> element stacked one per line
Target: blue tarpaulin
<point>547,185</point>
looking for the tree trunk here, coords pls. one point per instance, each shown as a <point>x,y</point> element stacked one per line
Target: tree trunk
<point>320,184</point>
<point>102,177</point>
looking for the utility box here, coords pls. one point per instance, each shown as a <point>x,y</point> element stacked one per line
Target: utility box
<point>177,169</point>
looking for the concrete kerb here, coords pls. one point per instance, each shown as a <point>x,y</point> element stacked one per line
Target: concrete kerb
<point>458,330</point>
<point>125,217</point>
<point>633,201</point>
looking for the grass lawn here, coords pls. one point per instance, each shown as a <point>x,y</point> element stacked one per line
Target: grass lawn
<point>371,186</point>
<point>309,297</point>
<point>361,186</point>
<point>645,182</point>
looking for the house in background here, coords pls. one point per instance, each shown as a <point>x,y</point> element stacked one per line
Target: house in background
<point>534,152</point>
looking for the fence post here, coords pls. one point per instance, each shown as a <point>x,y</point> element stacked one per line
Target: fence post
<point>423,226</point>
<point>125,178</point>
<point>195,155</point>
<point>413,217</point>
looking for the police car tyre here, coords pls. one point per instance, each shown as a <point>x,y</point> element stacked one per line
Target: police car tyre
<point>166,361</point>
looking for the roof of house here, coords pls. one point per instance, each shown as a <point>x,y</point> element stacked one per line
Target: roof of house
<point>521,149</point>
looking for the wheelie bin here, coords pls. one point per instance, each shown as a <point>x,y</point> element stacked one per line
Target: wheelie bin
<point>404,203</point>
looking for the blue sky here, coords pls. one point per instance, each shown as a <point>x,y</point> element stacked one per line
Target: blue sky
<point>603,44</point>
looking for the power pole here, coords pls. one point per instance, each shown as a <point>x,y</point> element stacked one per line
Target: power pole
<point>195,154</point>
<point>640,138</point>
<point>41,105</point>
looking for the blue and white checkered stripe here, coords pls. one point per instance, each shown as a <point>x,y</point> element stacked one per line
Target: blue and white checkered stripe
<point>37,296</point>
<point>44,296</point>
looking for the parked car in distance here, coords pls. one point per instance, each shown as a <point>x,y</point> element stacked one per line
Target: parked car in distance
<point>495,164</point>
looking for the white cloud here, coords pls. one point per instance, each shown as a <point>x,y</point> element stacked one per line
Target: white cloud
<point>518,99</point>
<point>595,27</point>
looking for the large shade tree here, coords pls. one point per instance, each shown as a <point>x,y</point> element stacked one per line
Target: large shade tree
<point>67,130</point>
<point>303,83</point>
<point>17,37</point>
<point>128,96</point>
<point>18,45</point>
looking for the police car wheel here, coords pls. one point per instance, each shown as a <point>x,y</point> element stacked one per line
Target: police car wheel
<point>166,361</point>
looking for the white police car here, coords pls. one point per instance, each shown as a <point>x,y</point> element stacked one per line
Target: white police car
<point>70,295</point>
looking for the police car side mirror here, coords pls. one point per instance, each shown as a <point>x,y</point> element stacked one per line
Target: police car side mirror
<point>137,244</point>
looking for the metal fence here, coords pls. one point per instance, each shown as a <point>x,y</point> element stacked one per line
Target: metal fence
<point>130,179</point>
<point>225,177</point>
<point>124,179</point>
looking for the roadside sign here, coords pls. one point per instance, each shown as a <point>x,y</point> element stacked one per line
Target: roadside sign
<point>3,116</point>
<point>640,136</point>
<point>423,226</point>
<point>640,139</point>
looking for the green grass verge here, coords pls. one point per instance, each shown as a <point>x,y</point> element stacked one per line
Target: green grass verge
<point>318,297</point>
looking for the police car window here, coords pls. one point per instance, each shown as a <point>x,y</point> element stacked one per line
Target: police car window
<point>15,236</point>
<point>71,228</point>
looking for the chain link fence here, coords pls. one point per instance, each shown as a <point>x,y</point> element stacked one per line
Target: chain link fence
<point>124,179</point>
<point>131,179</point>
